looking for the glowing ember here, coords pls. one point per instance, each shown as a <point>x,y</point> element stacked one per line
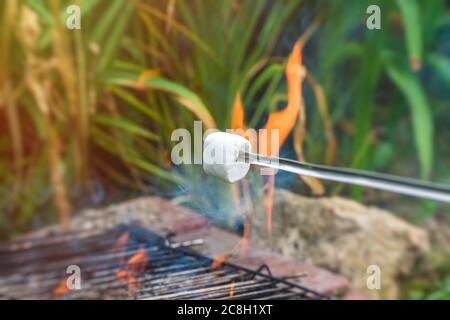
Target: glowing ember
<point>138,262</point>
<point>122,274</point>
<point>218,261</point>
<point>134,268</point>
<point>61,289</point>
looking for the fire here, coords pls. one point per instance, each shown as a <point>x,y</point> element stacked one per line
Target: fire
<point>237,119</point>
<point>218,261</point>
<point>61,289</point>
<point>283,120</point>
<point>139,261</point>
<point>134,268</point>
<point>122,274</point>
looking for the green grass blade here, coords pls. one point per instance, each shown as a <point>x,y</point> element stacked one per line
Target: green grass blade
<point>115,36</point>
<point>422,120</point>
<point>104,25</point>
<point>136,103</point>
<point>155,170</point>
<point>268,73</point>
<point>126,125</point>
<point>183,95</point>
<point>410,11</point>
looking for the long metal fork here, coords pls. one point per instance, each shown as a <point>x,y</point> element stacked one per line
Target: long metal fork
<point>386,182</point>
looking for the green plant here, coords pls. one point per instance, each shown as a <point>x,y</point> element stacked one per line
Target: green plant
<point>66,128</point>
<point>138,70</point>
<point>388,61</point>
<point>117,84</point>
<point>432,281</point>
<point>223,54</point>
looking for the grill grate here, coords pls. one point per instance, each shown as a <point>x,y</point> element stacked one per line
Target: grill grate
<point>131,263</point>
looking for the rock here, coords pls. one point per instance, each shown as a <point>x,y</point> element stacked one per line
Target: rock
<point>345,237</point>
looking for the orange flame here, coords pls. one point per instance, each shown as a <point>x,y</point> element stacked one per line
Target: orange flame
<point>61,289</point>
<point>237,118</point>
<point>283,120</point>
<point>134,268</point>
<point>122,274</point>
<point>138,262</point>
<point>218,261</point>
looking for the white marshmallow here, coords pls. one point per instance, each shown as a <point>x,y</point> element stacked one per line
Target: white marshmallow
<point>220,156</point>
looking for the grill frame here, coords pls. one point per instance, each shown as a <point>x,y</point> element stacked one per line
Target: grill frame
<point>195,279</point>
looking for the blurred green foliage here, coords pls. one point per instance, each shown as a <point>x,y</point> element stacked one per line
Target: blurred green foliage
<point>431,281</point>
<point>96,107</point>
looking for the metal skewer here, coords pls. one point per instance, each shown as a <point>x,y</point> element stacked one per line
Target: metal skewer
<point>386,182</point>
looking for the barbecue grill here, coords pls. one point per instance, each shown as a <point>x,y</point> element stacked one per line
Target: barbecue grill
<point>130,262</point>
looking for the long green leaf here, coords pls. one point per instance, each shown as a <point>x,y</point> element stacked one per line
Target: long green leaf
<point>105,23</point>
<point>182,94</point>
<point>115,36</point>
<point>410,11</point>
<point>136,103</point>
<point>108,143</point>
<point>126,125</point>
<point>268,73</point>
<point>422,120</point>
<point>151,168</point>
<point>185,96</point>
